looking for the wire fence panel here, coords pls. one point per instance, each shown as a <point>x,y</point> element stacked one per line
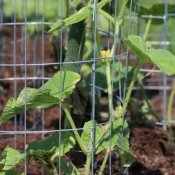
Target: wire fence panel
<point>76,77</point>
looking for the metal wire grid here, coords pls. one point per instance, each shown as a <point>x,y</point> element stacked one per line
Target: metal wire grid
<point>38,74</point>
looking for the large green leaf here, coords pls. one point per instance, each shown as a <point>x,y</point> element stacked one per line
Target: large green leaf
<point>82,14</point>
<point>86,135</point>
<point>51,147</point>
<point>162,58</point>
<point>10,158</point>
<point>104,137</point>
<point>127,157</point>
<point>29,96</point>
<point>115,137</point>
<point>60,86</point>
<point>137,45</point>
<point>119,134</point>
<point>171,36</point>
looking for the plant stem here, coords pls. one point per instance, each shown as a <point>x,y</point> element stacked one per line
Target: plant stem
<point>88,164</point>
<point>69,118</point>
<point>67,8</point>
<point>148,24</point>
<point>109,87</point>
<point>106,15</point>
<point>104,162</point>
<point>66,124</point>
<point>117,24</point>
<point>125,105</point>
<point>170,104</point>
<point>127,98</point>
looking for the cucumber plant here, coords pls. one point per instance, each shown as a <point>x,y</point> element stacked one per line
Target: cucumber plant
<point>95,137</point>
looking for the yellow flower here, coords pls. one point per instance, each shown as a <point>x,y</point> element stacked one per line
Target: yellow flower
<point>105,53</point>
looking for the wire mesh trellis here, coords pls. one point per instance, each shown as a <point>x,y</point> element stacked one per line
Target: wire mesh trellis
<point>29,56</point>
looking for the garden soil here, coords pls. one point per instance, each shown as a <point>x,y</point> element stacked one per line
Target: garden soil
<point>153,146</point>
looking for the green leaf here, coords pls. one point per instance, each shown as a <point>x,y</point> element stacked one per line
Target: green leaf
<point>75,18</point>
<point>86,135</point>
<point>137,45</point>
<point>127,157</point>
<point>118,135</point>
<point>29,96</point>
<point>104,137</point>
<point>82,14</point>
<point>60,86</point>
<point>162,58</point>
<point>51,147</point>
<point>10,158</point>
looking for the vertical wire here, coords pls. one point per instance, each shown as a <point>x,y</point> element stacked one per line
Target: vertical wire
<point>43,58</point>
<point>165,17</point>
<point>25,81</point>
<point>130,31</point>
<point>59,60</point>
<point>42,68</point>
<point>14,68</point>
<point>22,47</point>
<point>112,77</point>
<point>1,10</point>
<point>36,6</point>
<point>109,26</point>
<point>93,79</point>
<point>119,72</point>
<point>1,21</point>
<point>34,55</point>
<point>60,104</point>
<point>110,119</point>
<point>127,52</point>
<point>119,51</point>
<point>2,41</point>
<point>126,170</point>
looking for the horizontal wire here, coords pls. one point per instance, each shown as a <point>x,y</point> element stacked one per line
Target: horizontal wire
<point>25,23</point>
<point>47,131</point>
<point>66,130</point>
<point>24,78</point>
<point>36,132</point>
<point>62,63</point>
